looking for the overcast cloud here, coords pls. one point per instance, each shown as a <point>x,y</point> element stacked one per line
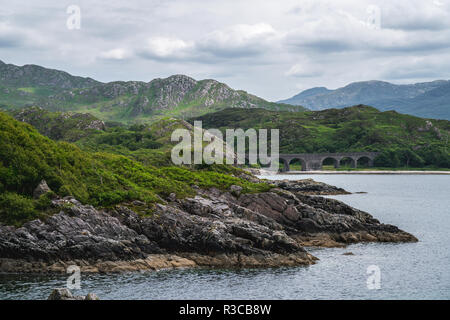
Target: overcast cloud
<point>272,49</point>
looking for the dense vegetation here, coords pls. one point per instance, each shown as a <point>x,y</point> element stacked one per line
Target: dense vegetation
<point>149,144</point>
<point>97,178</point>
<point>58,125</point>
<point>403,140</point>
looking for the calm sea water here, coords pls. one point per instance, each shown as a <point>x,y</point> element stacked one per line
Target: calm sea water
<point>418,204</point>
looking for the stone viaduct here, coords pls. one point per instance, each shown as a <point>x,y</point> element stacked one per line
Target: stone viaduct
<point>314,161</point>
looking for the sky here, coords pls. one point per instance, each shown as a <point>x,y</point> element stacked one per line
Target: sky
<point>273,49</point>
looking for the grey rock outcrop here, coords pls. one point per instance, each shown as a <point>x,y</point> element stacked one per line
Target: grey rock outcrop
<point>214,228</point>
<point>41,189</point>
<point>309,186</point>
<point>65,294</point>
<point>236,190</point>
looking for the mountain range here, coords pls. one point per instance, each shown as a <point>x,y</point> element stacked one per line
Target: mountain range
<point>428,99</point>
<point>184,97</point>
<point>177,95</point>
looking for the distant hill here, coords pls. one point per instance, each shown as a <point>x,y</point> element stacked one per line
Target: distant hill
<point>177,95</point>
<point>428,99</point>
<point>402,139</point>
<point>36,76</point>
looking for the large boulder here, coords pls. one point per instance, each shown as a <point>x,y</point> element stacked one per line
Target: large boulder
<point>65,294</point>
<point>41,189</point>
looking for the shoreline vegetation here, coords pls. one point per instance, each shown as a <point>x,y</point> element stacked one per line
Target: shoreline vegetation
<point>262,172</point>
<point>443,171</point>
<point>370,172</point>
<point>376,169</point>
<point>110,200</point>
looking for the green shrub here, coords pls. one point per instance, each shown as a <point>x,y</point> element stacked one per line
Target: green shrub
<point>45,201</point>
<point>387,158</point>
<point>16,209</point>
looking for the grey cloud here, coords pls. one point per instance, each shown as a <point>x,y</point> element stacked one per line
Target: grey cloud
<point>422,73</point>
<point>267,48</point>
<point>9,42</point>
<point>324,46</point>
<point>417,67</point>
<point>414,25</point>
<point>235,43</point>
<point>215,53</point>
<point>416,15</point>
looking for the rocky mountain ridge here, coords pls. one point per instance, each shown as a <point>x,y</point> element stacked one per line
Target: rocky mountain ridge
<point>31,75</point>
<point>124,101</point>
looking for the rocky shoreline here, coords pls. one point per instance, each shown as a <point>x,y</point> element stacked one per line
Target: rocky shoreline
<point>331,172</point>
<point>216,228</point>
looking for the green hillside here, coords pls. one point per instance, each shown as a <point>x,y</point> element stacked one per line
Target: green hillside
<point>28,85</point>
<point>131,101</point>
<point>33,76</point>
<point>67,126</point>
<point>403,140</point>
<point>97,178</point>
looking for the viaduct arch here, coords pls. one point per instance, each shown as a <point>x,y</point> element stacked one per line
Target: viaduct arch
<point>314,161</point>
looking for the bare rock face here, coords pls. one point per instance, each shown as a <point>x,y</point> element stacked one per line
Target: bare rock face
<point>76,232</point>
<point>318,221</point>
<point>61,294</point>
<point>215,228</point>
<point>236,190</point>
<point>41,189</point>
<point>309,186</point>
<point>91,296</point>
<point>65,294</point>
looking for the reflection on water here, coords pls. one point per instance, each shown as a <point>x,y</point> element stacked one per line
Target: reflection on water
<point>418,204</point>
